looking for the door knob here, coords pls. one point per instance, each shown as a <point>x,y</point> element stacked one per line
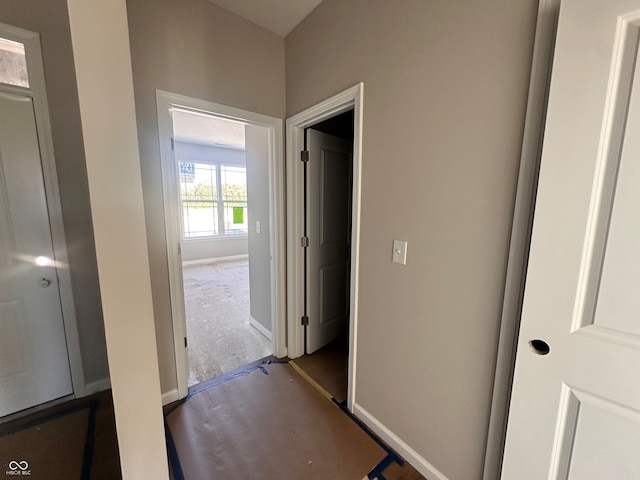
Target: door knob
<point>539,347</point>
<point>44,282</point>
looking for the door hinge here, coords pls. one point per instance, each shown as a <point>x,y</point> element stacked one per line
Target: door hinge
<point>185,342</point>
<point>173,147</point>
<point>304,242</point>
<point>179,249</point>
<point>305,320</point>
<point>304,155</point>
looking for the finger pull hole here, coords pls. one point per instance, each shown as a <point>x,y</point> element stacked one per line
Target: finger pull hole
<point>539,347</point>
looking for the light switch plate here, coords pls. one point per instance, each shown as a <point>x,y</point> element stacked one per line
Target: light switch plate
<point>399,252</point>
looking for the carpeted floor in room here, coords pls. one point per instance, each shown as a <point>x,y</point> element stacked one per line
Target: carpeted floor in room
<point>219,332</point>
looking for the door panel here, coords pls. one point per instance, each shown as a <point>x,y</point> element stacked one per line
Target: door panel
<point>575,411</point>
<point>601,448</point>
<point>329,231</point>
<point>35,366</point>
<point>334,199</point>
<point>618,307</point>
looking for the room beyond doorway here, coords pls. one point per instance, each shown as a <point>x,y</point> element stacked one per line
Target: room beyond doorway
<point>222,194</point>
<point>223,200</point>
<point>217,306</point>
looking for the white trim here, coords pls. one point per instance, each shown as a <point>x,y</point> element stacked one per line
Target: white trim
<point>351,98</point>
<point>170,397</point>
<point>98,386</point>
<point>37,91</point>
<point>397,444</point>
<point>216,238</point>
<point>165,102</point>
<point>261,328</point>
<point>521,233</point>
<point>207,261</point>
<point>173,239</point>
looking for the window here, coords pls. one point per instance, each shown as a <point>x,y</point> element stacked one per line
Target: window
<point>13,63</point>
<point>214,200</point>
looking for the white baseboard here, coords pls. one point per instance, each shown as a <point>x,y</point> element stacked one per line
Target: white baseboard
<point>261,328</point>
<point>170,397</point>
<point>404,450</point>
<point>97,386</point>
<point>205,261</point>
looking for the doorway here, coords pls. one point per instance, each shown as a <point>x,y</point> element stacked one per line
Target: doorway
<point>328,174</point>
<point>39,347</point>
<point>225,265</point>
<point>328,171</point>
<point>308,278</point>
<point>220,179</point>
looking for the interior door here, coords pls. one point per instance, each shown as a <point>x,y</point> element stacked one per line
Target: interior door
<point>328,222</point>
<point>575,408</point>
<point>34,364</point>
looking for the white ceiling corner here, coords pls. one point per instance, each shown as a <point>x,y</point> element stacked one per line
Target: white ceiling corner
<point>278,16</point>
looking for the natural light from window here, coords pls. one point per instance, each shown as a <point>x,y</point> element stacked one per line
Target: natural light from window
<point>214,199</point>
<point>13,63</point>
<point>210,152</point>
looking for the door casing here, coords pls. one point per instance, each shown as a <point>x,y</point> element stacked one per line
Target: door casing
<point>37,91</point>
<point>165,101</point>
<point>349,99</point>
<point>521,232</point>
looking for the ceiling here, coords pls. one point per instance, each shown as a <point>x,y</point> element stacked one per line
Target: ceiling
<point>278,16</point>
<point>207,130</point>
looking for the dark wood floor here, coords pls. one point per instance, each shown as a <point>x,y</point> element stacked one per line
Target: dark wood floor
<point>95,455</point>
<point>328,367</point>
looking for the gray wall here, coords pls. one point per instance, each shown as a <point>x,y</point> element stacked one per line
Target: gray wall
<point>257,149</point>
<point>49,18</point>
<point>204,249</point>
<point>193,48</point>
<point>445,93</point>
<point>445,87</point>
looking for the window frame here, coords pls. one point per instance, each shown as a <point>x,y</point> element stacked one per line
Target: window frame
<point>218,203</point>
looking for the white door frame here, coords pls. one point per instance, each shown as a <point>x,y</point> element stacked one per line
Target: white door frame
<point>351,98</point>
<point>37,91</point>
<point>165,101</point>
<point>521,232</point>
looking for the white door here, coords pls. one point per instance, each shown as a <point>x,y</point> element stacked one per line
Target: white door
<point>329,172</point>
<point>575,411</point>
<point>34,364</point>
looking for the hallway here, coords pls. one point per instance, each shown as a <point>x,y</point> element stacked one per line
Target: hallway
<point>95,455</point>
